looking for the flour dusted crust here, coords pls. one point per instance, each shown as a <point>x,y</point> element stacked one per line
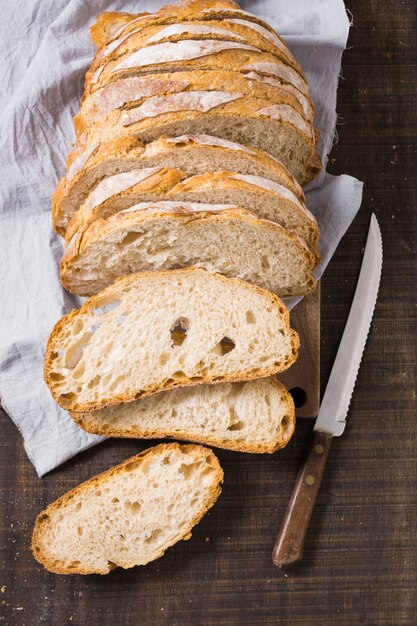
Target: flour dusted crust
<point>112,30</point>
<point>127,152</point>
<point>190,54</point>
<point>199,453</point>
<point>221,113</point>
<point>100,423</point>
<point>233,30</point>
<point>123,92</point>
<point>54,342</point>
<point>127,187</point>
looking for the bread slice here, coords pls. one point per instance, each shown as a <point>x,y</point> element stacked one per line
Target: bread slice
<point>130,514</point>
<point>256,416</point>
<point>168,235</point>
<point>123,92</point>
<point>155,331</point>
<point>261,196</point>
<point>236,30</point>
<point>192,154</point>
<point>186,54</point>
<point>278,128</point>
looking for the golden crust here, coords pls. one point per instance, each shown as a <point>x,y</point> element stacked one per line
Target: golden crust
<point>233,58</point>
<point>87,422</point>
<point>127,147</point>
<point>121,93</point>
<point>158,184</point>
<point>43,517</point>
<point>130,148</point>
<point>231,31</point>
<point>53,345</point>
<point>243,109</point>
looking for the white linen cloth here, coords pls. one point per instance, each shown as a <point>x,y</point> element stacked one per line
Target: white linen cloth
<point>45,51</point>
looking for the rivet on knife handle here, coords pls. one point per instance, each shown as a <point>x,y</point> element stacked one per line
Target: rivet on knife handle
<point>288,549</point>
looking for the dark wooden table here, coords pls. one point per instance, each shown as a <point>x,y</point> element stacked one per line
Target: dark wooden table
<point>360,564</point>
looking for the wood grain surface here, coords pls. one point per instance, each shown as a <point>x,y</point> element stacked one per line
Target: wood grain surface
<point>360,558</point>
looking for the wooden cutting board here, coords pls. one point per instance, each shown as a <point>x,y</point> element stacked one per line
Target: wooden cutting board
<point>303,378</point>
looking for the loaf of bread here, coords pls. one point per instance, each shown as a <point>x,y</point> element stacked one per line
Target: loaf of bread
<point>191,154</point>
<point>169,235</point>
<point>130,514</point>
<point>154,331</point>
<point>256,416</point>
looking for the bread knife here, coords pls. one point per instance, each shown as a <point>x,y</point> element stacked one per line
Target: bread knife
<point>331,420</point>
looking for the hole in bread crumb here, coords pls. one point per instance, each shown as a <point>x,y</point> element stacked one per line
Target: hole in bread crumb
<point>237,426</point>
<point>79,531</point>
<point>250,317</point>
<point>284,421</point>
<point>166,460</point>
<point>134,507</point>
<point>154,534</point>
<point>224,346</point>
<point>163,358</point>
<point>106,307</point>
<point>94,381</point>
<point>131,238</point>
<point>98,492</point>
<point>78,506</point>
<point>179,331</point>
<point>66,398</point>
<point>188,469</point>
<point>115,500</point>
<point>265,262</point>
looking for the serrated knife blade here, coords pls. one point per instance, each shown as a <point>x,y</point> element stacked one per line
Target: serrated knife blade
<point>335,404</point>
<point>331,419</point>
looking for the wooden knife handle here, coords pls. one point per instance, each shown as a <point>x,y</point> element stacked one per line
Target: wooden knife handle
<point>288,549</point>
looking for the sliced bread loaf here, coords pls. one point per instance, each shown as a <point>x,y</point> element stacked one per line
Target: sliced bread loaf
<point>278,129</point>
<point>187,54</point>
<point>255,416</point>
<point>109,26</point>
<point>192,154</point>
<point>123,92</point>
<point>155,331</point>
<point>168,235</point>
<point>261,196</point>
<point>229,30</point>
<point>130,514</point>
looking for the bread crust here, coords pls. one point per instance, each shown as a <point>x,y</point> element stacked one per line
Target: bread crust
<point>223,180</point>
<point>214,54</point>
<point>170,29</point>
<point>43,517</point>
<point>131,150</point>
<point>86,422</point>
<point>121,93</point>
<point>119,221</point>
<point>53,345</point>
